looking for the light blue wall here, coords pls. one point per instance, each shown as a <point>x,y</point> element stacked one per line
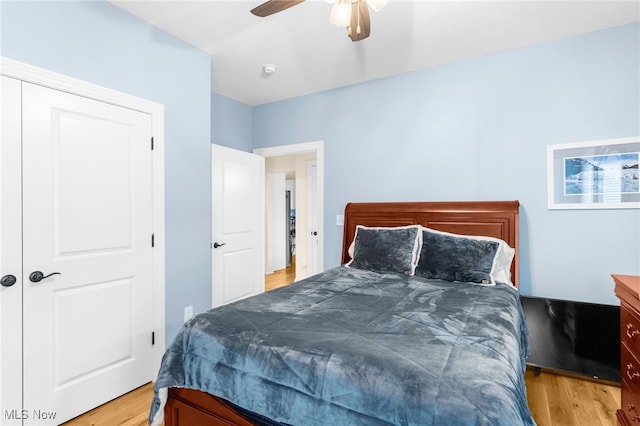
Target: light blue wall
<point>471,130</point>
<point>231,123</point>
<point>101,44</point>
<point>478,130</point>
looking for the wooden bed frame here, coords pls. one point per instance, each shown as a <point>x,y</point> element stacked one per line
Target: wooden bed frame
<point>497,219</point>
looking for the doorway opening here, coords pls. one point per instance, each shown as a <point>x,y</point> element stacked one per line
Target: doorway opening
<point>294,227</point>
<point>281,277</point>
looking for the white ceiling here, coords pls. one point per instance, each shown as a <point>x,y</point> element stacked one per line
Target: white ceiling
<point>313,55</point>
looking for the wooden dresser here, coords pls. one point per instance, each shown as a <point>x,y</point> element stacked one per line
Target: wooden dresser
<point>627,288</point>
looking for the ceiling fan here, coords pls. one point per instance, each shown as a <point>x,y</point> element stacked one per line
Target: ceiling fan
<point>353,14</point>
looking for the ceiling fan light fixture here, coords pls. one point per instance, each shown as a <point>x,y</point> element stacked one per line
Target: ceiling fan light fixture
<point>376,5</point>
<point>341,13</point>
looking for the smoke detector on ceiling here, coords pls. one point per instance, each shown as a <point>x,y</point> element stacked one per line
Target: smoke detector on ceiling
<point>269,68</point>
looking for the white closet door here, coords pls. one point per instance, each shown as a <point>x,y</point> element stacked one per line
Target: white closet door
<point>87,215</point>
<point>10,254</point>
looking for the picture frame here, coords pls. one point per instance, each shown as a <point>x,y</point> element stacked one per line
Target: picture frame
<point>600,174</point>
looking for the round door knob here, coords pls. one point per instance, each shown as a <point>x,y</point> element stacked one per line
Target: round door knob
<point>314,233</point>
<point>8,280</point>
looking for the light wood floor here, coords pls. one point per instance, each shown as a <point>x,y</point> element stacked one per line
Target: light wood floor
<point>558,400</point>
<point>554,400</point>
<point>131,409</point>
<point>281,277</point>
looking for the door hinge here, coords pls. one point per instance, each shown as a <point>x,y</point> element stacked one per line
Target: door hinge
<point>153,338</point>
<point>151,143</point>
<point>153,240</point>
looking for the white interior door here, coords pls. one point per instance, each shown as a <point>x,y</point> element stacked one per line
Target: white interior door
<point>237,185</point>
<point>10,254</point>
<point>87,215</point>
<point>313,265</point>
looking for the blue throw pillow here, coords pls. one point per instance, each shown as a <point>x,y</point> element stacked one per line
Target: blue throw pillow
<point>456,258</point>
<point>392,249</point>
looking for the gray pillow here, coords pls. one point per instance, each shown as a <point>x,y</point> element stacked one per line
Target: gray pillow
<point>456,258</point>
<point>386,249</point>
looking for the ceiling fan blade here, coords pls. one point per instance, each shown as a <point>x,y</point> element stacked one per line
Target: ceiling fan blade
<point>360,26</point>
<point>273,6</point>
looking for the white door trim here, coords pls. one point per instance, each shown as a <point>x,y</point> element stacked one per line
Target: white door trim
<point>10,247</point>
<point>301,148</point>
<point>43,77</point>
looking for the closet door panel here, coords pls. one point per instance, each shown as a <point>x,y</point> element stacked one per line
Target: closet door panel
<point>87,214</point>
<point>10,254</point>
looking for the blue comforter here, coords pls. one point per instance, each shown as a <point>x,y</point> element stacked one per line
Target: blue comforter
<point>354,347</point>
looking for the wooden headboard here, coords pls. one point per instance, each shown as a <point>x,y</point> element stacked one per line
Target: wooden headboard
<point>497,219</point>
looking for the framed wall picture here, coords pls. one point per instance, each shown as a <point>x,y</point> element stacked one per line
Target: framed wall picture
<point>594,175</point>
